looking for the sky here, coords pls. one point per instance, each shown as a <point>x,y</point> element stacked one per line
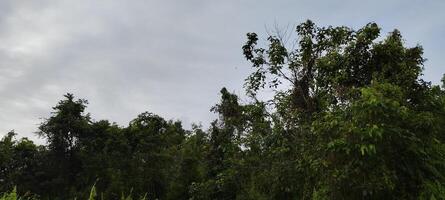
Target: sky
<point>166,57</point>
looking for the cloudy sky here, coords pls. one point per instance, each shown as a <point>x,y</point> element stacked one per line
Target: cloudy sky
<point>166,57</point>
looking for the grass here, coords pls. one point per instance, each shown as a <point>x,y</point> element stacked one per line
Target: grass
<point>93,196</point>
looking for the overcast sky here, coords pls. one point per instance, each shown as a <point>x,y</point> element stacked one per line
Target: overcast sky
<point>166,57</point>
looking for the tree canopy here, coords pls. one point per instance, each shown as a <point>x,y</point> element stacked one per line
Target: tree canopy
<point>350,118</point>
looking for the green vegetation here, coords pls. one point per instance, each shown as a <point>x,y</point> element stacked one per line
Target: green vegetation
<point>350,118</point>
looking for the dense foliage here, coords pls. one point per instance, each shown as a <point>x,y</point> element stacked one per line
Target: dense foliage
<point>350,118</point>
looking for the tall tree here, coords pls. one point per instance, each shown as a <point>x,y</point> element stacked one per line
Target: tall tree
<point>357,115</point>
<point>63,131</point>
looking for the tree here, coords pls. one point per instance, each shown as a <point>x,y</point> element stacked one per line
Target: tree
<point>191,168</point>
<point>64,130</point>
<point>152,154</point>
<point>66,125</point>
<point>20,164</point>
<point>223,158</point>
<point>357,115</point>
<point>6,158</point>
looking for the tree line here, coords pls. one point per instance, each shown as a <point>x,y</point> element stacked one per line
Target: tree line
<point>350,118</point>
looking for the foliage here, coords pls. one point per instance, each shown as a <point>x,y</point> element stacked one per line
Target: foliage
<point>350,118</point>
